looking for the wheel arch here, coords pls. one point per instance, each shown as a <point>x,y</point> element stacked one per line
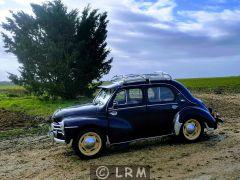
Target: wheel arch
<point>200,114</point>
<point>73,126</point>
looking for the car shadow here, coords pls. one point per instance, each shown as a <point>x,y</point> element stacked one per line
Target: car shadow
<point>207,139</point>
<point>210,139</point>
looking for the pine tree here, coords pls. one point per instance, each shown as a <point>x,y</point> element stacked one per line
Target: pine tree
<point>61,53</point>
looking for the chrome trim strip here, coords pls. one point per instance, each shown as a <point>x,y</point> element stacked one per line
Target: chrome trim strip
<point>142,106</point>
<point>111,109</point>
<point>130,107</point>
<point>57,131</point>
<point>70,127</point>
<point>140,139</point>
<point>177,124</point>
<point>54,128</point>
<point>162,104</point>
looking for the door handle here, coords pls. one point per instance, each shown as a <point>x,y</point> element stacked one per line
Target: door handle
<point>174,106</point>
<point>113,113</point>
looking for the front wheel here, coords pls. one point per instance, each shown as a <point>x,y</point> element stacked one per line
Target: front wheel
<point>192,130</point>
<point>89,144</point>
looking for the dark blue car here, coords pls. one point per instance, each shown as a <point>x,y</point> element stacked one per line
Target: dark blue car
<point>132,107</point>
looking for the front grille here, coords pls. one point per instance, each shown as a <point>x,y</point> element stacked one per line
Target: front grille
<point>56,128</point>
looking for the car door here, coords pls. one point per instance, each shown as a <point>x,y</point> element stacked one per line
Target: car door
<point>127,115</point>
<point>162,105</point>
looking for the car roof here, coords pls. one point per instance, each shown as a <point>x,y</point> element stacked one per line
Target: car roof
<point>174,83</point>
<point>110,86</point>
<point>140,83</point>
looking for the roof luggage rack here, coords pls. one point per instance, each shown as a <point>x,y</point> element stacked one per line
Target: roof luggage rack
<point>130,78</point>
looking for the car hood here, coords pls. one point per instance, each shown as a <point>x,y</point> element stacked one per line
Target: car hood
<point>79,110</point>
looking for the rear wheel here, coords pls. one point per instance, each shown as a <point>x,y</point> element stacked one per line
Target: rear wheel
<point>192,130</point>
<point>89,144</point>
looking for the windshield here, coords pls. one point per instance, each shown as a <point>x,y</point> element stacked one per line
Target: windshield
<point>103,96</point>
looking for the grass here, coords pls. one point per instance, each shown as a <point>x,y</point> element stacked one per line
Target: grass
<point>12,90</point>
<point>216,85</point>
<point>13,98</point>
<point>34,106</point>
<point>10,87</point>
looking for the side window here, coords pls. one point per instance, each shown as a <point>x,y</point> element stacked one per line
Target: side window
<point>121,97</point>
<point>160,94</point>
<point>129,96</point>
<point>134,96</point>
<point>166,94</point>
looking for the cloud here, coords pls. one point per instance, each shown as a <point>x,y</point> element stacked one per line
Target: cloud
<point>161,9</point>
<point>3,14</point>
<point>163,35</point>
<point>26,2</point>
<point>213,24</point>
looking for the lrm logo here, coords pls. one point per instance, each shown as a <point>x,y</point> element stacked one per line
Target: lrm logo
<point>119,172</point>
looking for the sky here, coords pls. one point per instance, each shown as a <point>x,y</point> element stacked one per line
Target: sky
<point>186,38</point>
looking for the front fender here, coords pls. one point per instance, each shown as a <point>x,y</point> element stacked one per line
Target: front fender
<point>193,112</point>
<point>72,125</point>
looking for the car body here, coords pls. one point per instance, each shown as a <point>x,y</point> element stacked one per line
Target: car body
<point>131,108</point>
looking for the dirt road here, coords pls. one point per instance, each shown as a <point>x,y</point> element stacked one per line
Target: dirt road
<point>217,156</point>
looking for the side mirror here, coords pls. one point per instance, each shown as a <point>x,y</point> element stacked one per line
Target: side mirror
<point>115,104</point>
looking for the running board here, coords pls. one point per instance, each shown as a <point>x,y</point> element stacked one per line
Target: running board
<point>139,139</point>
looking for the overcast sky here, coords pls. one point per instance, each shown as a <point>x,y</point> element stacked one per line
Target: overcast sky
<point>187,38</point>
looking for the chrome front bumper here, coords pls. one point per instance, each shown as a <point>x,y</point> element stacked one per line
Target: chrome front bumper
<point>54,138</point>
<point>56,134</point>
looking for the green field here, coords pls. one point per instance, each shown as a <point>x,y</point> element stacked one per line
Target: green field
<point>35,106</point>
<point>14,98</point>
<point>12,89</point>
<point>215,85</point>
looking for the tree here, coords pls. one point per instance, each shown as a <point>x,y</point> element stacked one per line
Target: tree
<point>61,53</point>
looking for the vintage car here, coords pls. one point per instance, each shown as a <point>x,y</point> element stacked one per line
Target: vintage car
<point>130,108</point>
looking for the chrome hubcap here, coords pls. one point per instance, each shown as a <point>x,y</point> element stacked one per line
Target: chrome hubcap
<point>90,143</point>
<point>192,129</point>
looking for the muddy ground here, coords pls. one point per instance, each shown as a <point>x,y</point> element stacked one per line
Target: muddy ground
<point>11,120</point>
<point>217,156</point>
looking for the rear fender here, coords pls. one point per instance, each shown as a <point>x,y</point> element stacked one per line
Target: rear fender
<point>196,113</point>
